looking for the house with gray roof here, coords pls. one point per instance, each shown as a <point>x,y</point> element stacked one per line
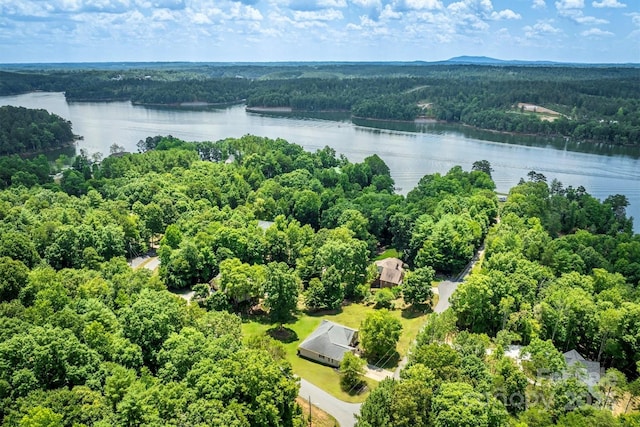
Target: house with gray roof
<point>328,343</point>
<point>593,370</point>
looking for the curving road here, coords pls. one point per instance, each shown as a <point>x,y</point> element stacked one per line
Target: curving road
<point>343,412</point>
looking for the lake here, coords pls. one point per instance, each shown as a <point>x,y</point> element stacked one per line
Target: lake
<point>410,150</point>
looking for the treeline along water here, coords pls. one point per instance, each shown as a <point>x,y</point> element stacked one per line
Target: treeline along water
<point>410,150</point>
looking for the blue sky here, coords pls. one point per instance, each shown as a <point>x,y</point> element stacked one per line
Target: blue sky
<point>318,30</point>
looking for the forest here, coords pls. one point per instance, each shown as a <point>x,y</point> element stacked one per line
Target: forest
<point>88,340</point>
<point>28,130</point>
<point>596,103</point>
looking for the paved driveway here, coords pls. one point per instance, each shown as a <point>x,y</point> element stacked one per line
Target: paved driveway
<point>445,290</point>
<point>376,373</point>
<point>343,412</point>
<point>150,262</point>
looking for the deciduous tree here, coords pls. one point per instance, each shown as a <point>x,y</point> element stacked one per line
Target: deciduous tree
<point>351,372</point>
<point>379,334</point>
<point>281,288</point>
<point>417,285</point>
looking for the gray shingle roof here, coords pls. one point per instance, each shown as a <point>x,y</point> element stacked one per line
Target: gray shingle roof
<point>593,368</point>
<point>330,339</point>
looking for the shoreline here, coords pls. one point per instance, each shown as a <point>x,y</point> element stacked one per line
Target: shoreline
<point>290,110</point>
<point>190,104</point>
<point>27,154</point>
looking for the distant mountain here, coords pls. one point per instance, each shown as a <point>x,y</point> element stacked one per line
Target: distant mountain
<point>485,60</point>
<point>475,60</point>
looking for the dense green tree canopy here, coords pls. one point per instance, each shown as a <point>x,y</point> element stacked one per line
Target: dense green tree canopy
<point>27,130</point>
<point>80,328</point>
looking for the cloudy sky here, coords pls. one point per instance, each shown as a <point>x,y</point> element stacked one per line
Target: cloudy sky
<point>318,30</point>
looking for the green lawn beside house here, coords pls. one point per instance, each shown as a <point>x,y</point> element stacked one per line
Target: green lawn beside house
<point>327,377</point>
<point>389,253</point>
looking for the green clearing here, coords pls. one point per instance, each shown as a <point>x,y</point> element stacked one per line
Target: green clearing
<point>389,253</point>
<point>324,376</point>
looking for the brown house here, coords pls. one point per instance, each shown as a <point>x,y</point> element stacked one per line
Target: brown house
<point>390,273</point>
<point>328,343</point>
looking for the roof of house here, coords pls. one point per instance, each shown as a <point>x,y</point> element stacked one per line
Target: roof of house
<point>390,270</point>
<point>265,224</point>
<point>515,352</point>
<point>330,339</point>
<point>571,357</point>
<point>593,368</point>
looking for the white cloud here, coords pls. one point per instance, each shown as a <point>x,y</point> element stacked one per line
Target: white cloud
<point>424,4</point>
<point>473,15</point>
<point>369,27</point>
<point>162,15</point>
<point>590,20</point>
<point>596,32</point>
<point>471,6</point>
<point>241,11</point>
<point>385,27</point>
<point>318,15</point>
<point>109,6</point>
<point>389,13</point>
<point>608,3</point>
<point>437,19</point>
<point>23,9</point>
<point>505,14</point>
<point>332,3</point>
<point>316,4</point>
<point>541,29</point>
<point>578,16</point>
<point>367,3</point>
<point>572,9</point>
<point>200,18</point>
<point>167,4</point>
<point>569,4</point>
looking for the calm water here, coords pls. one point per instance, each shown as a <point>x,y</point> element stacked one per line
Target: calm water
<point>410,151</point>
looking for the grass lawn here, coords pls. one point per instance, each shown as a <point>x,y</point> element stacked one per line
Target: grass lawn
<point>324,376</point>
<point>389,253</point>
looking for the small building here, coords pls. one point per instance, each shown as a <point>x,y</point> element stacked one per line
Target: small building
<point>328,343</point>
<point>593,369</point>
<point>390,273</point>
<point>265,224</point>
<point>515,352</point>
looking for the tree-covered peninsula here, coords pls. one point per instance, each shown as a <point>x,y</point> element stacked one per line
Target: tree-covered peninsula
<point>25,130</point>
